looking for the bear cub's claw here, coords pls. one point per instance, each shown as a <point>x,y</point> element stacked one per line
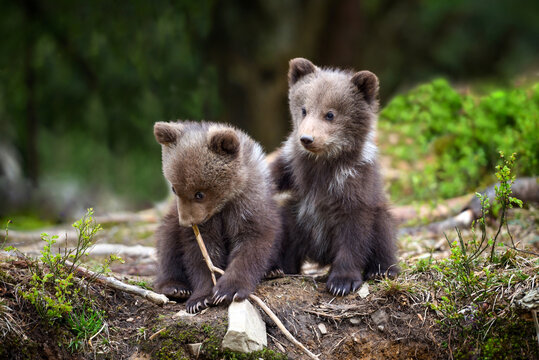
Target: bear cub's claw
<point>197,304</point>
<point>379,274</point>
<point>227,291</point>
<point>343,285</point>
<point>175,290</point>
<point>274,274</point>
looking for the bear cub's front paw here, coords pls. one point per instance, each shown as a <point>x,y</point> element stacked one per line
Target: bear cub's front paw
<point>342,284</point>
<point>274,273</point>
<point>390,272</point>
<point>174,289</point>
<point>198,303</point>
<point>228,289</point>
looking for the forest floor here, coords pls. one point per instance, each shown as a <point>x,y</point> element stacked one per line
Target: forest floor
<point>387,319</point>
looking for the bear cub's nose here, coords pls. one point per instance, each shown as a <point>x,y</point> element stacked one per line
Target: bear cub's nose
<point>306,139</point>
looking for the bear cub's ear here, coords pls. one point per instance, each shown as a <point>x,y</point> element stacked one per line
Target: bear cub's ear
<point>224,142</point>
<point>166,133</point>
<point>367,83</point>
<point>298,68</point>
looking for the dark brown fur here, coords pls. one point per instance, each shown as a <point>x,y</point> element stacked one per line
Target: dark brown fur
<point>337,214</point>
<point>237,217</point>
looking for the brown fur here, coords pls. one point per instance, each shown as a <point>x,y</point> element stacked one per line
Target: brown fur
<point>237,216</point>
<point>337,213</point>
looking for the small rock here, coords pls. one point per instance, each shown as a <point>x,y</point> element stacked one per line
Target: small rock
<point>194,349</point>
<point>380,317</point>
<point>381,327</point>
<point>139,356</point>
<point>246,329</point>
<point>530,301</point>
<point>182,314</point>
<point>130,319</point>
<point>323,329</point>
<point>355,321</point>
<point>363,291</point>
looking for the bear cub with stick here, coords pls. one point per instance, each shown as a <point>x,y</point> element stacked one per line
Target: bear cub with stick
<point>337,213</point>
<point>222,184</point>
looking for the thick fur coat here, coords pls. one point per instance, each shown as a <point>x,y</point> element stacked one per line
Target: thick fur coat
<point>221,183</point>
<point>337,213</point>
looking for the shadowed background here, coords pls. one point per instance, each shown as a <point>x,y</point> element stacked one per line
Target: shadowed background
<point>81,83</point>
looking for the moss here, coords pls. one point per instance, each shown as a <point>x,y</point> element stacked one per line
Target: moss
<point>508,336</point>
<point>265,354</point>
<point>172,344</point>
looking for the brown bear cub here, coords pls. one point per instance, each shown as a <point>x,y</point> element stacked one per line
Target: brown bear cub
<point>221,183</point>
<point>337,213</point>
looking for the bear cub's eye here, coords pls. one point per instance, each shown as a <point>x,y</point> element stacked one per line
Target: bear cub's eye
<point>173,190</point>
<point>199,195</point>
<point>303,111</point>
<point>330,115</point>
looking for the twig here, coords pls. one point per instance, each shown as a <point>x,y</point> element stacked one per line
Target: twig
<point>339,343</point>
<point>97,333</point>
<point>255,298</point>
<point>205,254</point>
<point>157,333</point>
<point>149,295</point>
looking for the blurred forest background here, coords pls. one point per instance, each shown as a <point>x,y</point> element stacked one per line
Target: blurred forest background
<point>82,82</point>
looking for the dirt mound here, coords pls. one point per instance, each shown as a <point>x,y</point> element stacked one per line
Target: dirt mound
<point>380,325</point>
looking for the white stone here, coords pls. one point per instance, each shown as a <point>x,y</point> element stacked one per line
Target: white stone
<point>363,291</point>
<point>380,317</point>
<point>323,329</point>
<point>194,349</point>
<point>246,329</point>
<point>182,314</point>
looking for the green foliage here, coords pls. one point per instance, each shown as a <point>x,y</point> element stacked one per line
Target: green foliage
<point>141,283</point>
<point>27,221</point>
<point>479,321</point>
<point>53,290</point>
<point>104,73</point>
<point>450,141</point>
<point>84,324</point>
<point>51,286</point>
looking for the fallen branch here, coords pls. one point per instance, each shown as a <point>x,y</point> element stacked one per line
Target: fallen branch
<point>106,249</point>
<point>149,295</point>
<point>461,221</point>
<point>256,299</point>
<point>525,189</point>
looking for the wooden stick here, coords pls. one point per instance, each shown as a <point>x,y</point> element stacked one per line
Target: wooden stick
<point>205,254</point>
<point>149,295</point>
<point>281,326</point>
<point>256,299</point>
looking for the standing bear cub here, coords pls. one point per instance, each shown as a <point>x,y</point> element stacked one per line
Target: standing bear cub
<point>337,213</point>
<point>221,183</point>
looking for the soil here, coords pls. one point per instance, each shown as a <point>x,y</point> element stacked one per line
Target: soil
<point>388,323</point>
<point>378,326</point>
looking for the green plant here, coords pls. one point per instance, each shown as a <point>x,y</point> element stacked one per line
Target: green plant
<point>480,322</point>
<point>51,286</point>
<point>449,141</point>
<point>140,283</point>
<point>6,236</point>
<point>54,290</point>
<point>84,324</point>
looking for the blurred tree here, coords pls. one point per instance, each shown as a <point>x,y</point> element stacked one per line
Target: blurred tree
<point>81,83</point>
